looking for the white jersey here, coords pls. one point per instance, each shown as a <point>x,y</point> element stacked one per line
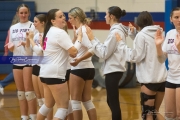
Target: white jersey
<point>173,57</point>
<point>17,34</point>
<point>37,49</point>
<point>85,46</point>
<point>37,39</point>
<point>69,60</point>
<point>69,65</point>
<point>56,44</point>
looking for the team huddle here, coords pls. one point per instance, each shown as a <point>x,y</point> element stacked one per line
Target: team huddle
<point>66,79</point>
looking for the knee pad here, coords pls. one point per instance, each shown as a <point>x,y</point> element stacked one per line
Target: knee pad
<point>146,108</point>
<point>61,113</point>
<point>88,105</point>
<point>76,105</point>
<point>44,110</point>
<point>166,118</point>
<point>30,95</point>
<point>69,108</point>
<point>21,95</point>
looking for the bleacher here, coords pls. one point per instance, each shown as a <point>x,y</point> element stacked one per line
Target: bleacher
<point>7,12</point>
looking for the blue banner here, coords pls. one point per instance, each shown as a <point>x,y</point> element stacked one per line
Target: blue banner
<point>23,60</point>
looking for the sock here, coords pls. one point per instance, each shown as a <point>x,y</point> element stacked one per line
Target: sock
<point>32,116</point>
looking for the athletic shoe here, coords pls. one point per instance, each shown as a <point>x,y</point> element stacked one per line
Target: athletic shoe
<point>98,88</point>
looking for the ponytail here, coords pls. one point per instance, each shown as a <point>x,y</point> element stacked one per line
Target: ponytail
<point>50,16</point>
<point>46,29</point>
<point>87,21</point>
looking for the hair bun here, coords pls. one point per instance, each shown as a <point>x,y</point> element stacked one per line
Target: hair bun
<point>123,13</point>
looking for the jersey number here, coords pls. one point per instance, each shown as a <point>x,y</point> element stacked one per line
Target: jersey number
<point>44,44</point>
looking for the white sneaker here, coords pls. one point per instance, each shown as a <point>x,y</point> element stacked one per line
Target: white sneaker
<point>1,90</point>
<point>98,88</point>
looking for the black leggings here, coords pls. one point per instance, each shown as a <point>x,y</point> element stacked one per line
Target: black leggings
<point>112,88</point>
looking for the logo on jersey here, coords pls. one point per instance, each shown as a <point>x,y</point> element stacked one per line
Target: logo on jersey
<point>19,34</point>
<point>172,47</point>
<point>44,44</point>
<point>170,41</point>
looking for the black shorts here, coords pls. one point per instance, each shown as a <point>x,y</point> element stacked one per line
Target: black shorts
<point>172,85</point>
<point>36,70</point>
<point>52,81</point>
<point>20,67</point>
<point>67,74</point>
<point>86,74</point>
<point>155,86</point>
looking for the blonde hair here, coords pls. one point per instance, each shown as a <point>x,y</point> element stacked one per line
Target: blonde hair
<point>79,13</point>
<point>65,28</point>
<point>15,20</point>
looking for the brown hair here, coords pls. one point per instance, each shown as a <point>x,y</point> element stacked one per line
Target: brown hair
<point>174,9</point>
<point>41,17</point>
<point>50,16</point>
<point>117,12</point>
<point>144,19</point>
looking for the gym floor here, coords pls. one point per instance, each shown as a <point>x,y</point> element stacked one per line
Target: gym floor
<point>129,101</point>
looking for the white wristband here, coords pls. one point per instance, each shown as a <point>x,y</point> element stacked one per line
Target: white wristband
<point>77,44</point>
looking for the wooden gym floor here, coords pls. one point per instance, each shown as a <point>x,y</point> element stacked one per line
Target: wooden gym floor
<point>129,101</point>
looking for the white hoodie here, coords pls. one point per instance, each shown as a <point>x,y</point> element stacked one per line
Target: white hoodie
<point>113,59</point>
<point>144,54</point>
